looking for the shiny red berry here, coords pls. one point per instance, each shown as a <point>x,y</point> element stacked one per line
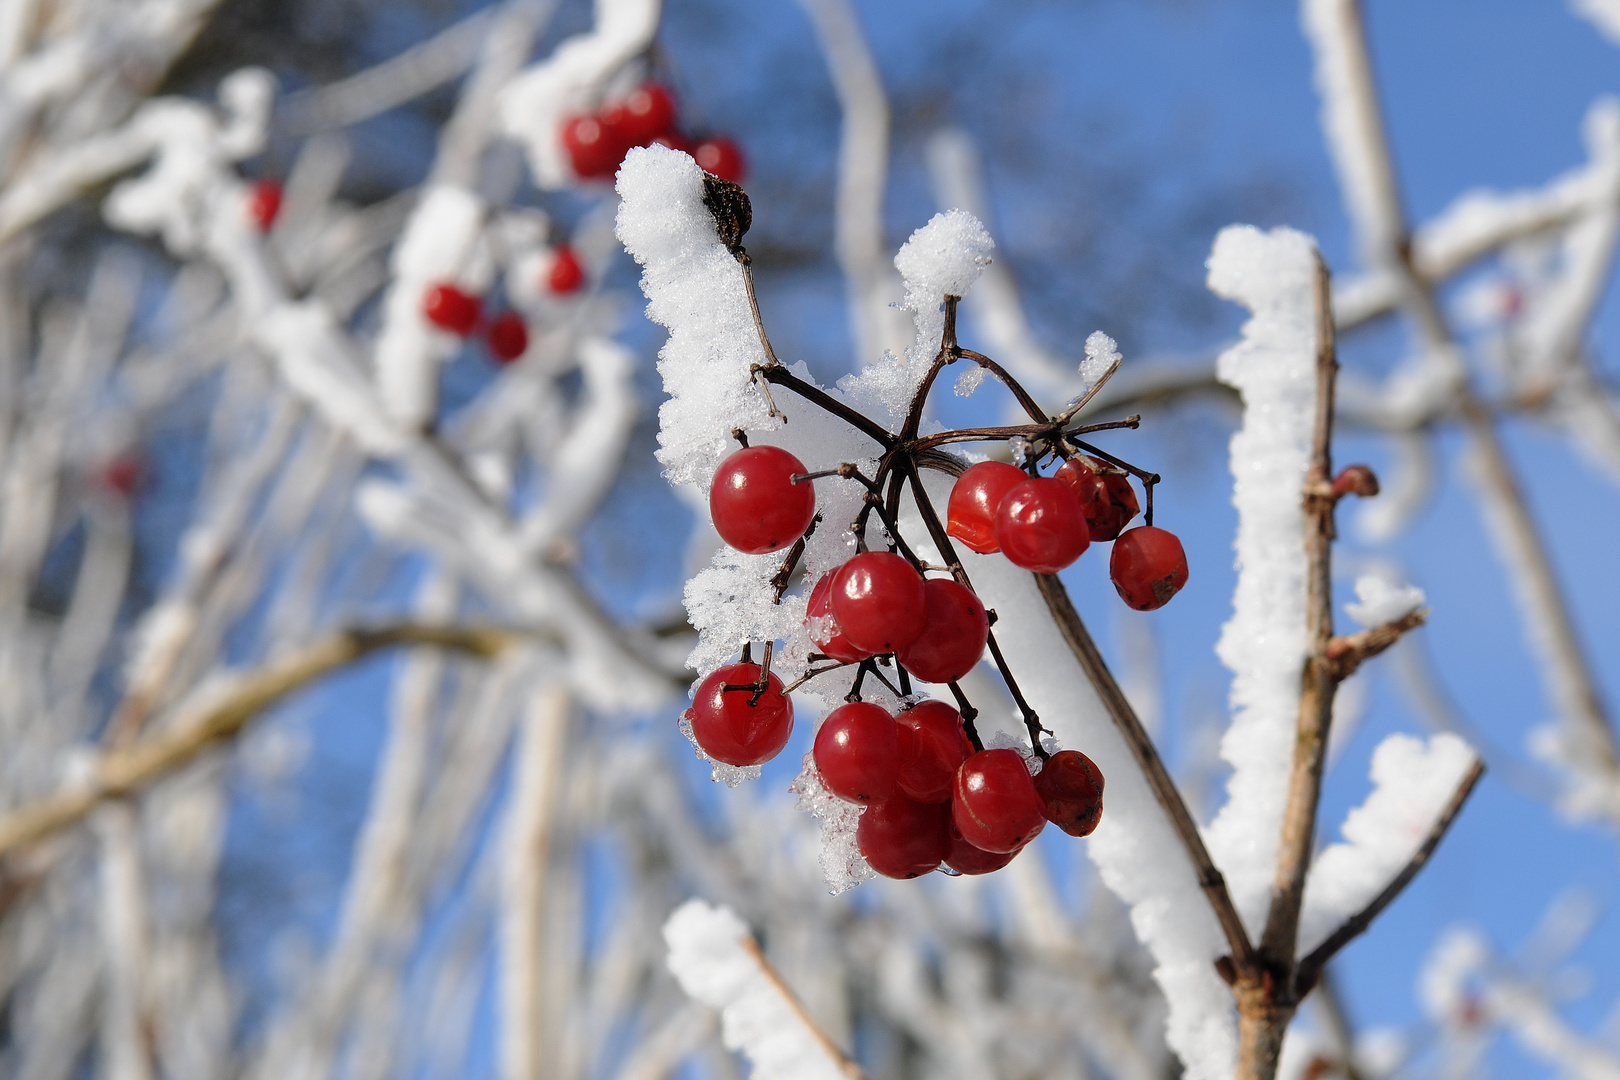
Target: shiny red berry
<point>970,516</point>
<point>508,337</point>
<point>994,803</point>
<point>1148,567</point>
<point>1106,496</point>
<point>932,747</point>
<point>879,601</point>
<point>964,858</point>
<point>754,502</point>
<point>730,727</point>
<point>824,628</point>
<point>721,157</point>
<point>646,114</point>
<point>1041,525</point>
<point>1071,788</point>
<point>566,275</point>
<point>901,838</point>
<point>263,204</point>
<point>952,639</point>
<point>593,150</point>
<point>857,752</point>
<point>448,308</point>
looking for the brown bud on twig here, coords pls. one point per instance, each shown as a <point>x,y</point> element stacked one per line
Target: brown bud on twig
<point>729,205</point>
<point>1355,480</point>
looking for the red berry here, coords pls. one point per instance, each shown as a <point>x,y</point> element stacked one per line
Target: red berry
<point>1071,788</point>
<point>994,804</point>
<point>952,640</point>
<point>264,203</point>
<point>879,601</point>
<point>1106,496</point>
<point>508,337</point>
<point>754,502</point>
<point>721,157</point>
<point>824,628</point>
<point>971,513</point>
<point>1042,526</point>
<point>964,858</point>
<point>932,746</point>
<point>857,752</point>
<point>676,141</point>
<point>123,475</point>
<point>729,728</point>
<point>904,839</point>
<point>448,308</point>
<point>566,275</point>
<point>1148,567</point>
<point>593,150</point>
<point>649,112</point>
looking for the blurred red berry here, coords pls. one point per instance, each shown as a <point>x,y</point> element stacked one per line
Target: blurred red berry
<point>994,804</point>
<point>1071,788</point>
<point>566,275</point>
<point>722,157</point>
<point>730,726</point>
<point>1148,567</point>
<point>508,337</point>
<point>123,475</point>
<point>263,204</point>
<point>756,506</point>
<point>901,838</point>
<point>931,746</point>
<point>857,752</point>
<point>879,602</point>
<point>647,114</point>
<point>448,308</point>
<point>593,150</point>
<point>952,638</point>
<point>971,513</point>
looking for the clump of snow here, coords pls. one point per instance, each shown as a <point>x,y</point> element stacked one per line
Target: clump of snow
<point>943,258</point>
<point>1413,780</point>
<point>842,864</point>
<point>1380,600</point>
<point>971,379</point>
<point>1102,352</point>
<point>711,955</point>
<point>1274,368</point>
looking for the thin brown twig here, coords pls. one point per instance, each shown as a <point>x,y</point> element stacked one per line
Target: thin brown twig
<point>1310,967</point>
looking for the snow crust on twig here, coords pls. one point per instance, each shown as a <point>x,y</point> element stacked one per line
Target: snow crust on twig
<point>1413,780</point>
<point>1274,368</point>
<point>712,955</point>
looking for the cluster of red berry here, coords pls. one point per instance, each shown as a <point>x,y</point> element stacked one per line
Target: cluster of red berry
<point>597,143</point>
<point>1044,523</point>
<point>449,307</point>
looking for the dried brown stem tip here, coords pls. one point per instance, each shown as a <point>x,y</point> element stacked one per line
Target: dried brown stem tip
<point>728,204</point>
<point>1355,480</point>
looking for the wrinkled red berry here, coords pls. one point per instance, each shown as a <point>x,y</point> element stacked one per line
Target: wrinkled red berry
<point>1148,567</point>
<point>824,629</point>
<point>754,502</point>
<point>646,114</point>
<point>508,337</point>
<point>721,157</point>
<point>264,204</point>
<point>593,150</point>
<point>964,858</point>
<point>1071,788</point>
<point>952,639</point>
<point>857,752</point>
<point>901,838</point>
<point>566,275</point>
<point>931,746</point>
<point>1041,525</point>
<point>970,516</point>
<point>994,803</point>
<point>1106,496</point>
<point>729,728</point>
<point>448,308</point>
<point>879,602</point>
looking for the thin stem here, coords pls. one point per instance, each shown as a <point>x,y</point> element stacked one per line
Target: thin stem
<point>969,714</point>
<point>779,375</point>
<point>1027,403</point>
